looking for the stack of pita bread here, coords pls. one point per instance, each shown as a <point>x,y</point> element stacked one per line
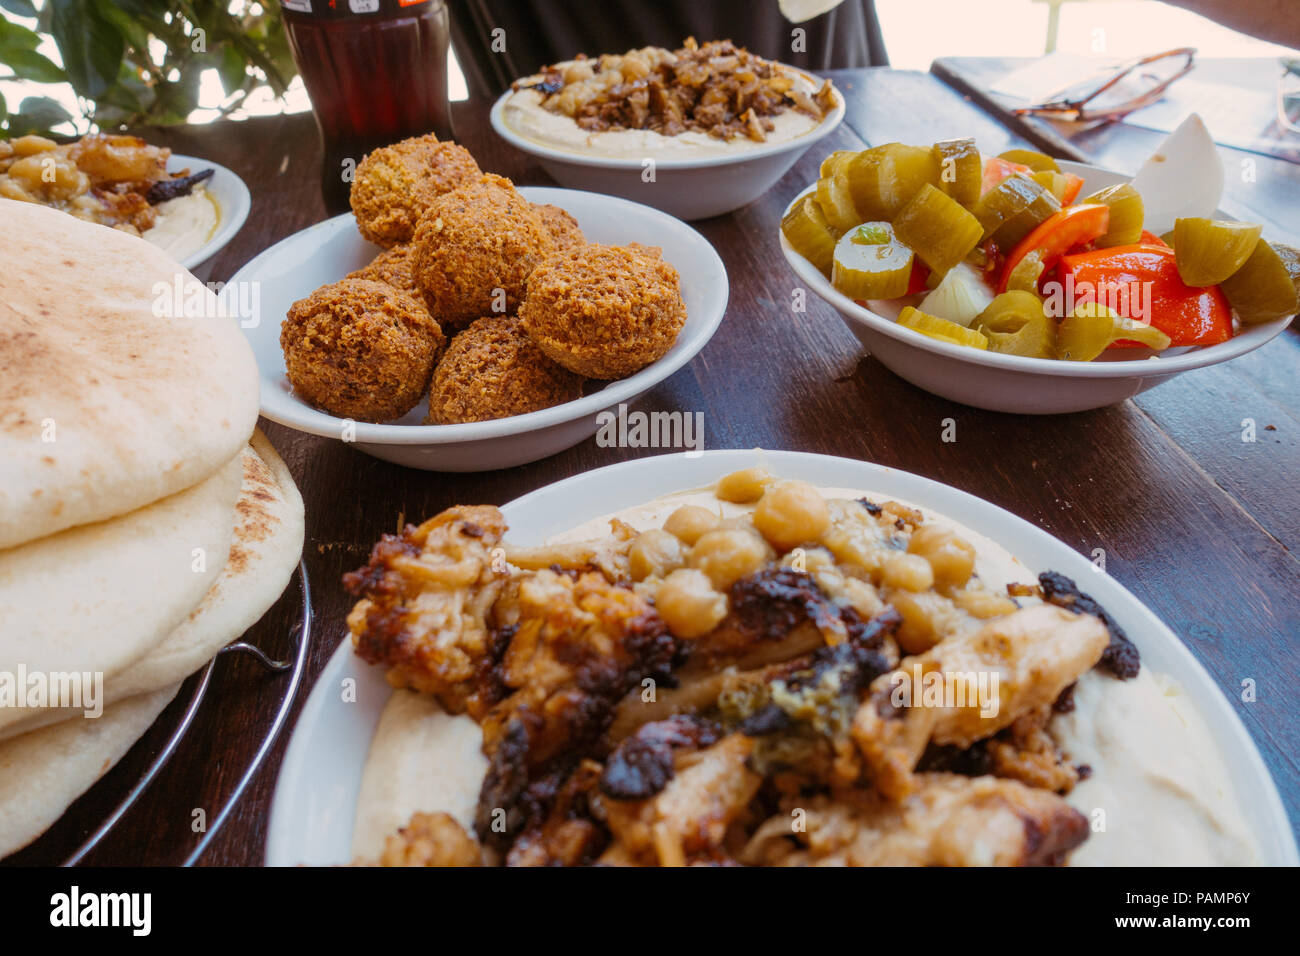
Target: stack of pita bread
<point>144,523</point>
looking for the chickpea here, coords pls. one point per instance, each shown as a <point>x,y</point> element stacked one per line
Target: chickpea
<point>952,558</point>
<point>689,522</point>
<point>726,556</point>
<point>688,603</point>
<point>924,616</point>
<point>911,572</point>
<point>744,486</point>
<point>653,554</point>
<point>790,513</point>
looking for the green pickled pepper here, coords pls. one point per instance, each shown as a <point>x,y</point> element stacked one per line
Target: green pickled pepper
<point>1208,251</point>
<point>1016,323</point>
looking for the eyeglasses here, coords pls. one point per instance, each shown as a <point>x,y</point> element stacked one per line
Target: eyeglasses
<point>1117,91</point>
<point>1288,94</point>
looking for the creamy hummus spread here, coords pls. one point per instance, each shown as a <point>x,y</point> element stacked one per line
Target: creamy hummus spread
<point>524,114</point>
<point>1158,786</point>
<point>185,223</point>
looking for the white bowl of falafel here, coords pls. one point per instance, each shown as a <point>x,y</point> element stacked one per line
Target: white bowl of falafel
<point>455,323</point>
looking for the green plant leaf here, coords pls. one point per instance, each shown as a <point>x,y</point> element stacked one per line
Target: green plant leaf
<point>4,109</point>
<point>37,114</point>
<point>92,48</point>
<point>16,37</point>
<point>233,68</point>
<point>134,29</point>
<point>30,65</point>
<point>19,8</point>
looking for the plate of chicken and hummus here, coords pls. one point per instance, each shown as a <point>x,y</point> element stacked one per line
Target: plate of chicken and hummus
<point>765,659</point>
<point>186,206</point>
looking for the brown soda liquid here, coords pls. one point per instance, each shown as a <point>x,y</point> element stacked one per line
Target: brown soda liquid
<point>376,72</point>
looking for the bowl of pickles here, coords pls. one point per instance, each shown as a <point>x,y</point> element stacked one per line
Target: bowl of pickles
<point>1019,283</point>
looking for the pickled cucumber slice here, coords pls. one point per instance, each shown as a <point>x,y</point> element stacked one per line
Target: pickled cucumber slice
<point>1015,323</point>
<point>1040,209</point>
<point>1290,261</point>
<point>937,229</point>
<point>1208,251</point>
<point>835,162</point>
<point>961,169</point>
<point>1005,201</point>
<point>1085,333</point>
<point>870,263</point>
<point>1263,288</point>
<point>1032,158</point>
<point>1054,182</point>
<point>836,203</point>
<point>1126,214</point>
<point>941,329</point>
<point>806,229</point>
<point>882,179</point>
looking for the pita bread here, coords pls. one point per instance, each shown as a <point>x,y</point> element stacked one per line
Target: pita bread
<point>98,597</point>
<point>267,543</point>
<point>421,760</point>
<point>106,406</point>
<point>42,773</point>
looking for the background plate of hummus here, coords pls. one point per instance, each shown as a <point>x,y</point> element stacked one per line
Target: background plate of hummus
<point>1186,786</point>
<point>196,227</point>
<point>693,178</point>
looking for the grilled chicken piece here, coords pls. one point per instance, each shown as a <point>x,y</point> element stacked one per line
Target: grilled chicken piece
<point>120,161</point>
<point>1035,654</point>
<point>948,820</point>
<point>1025,751</point>
<point>577,645</point>
<point>426,598</point>
<point>431,839</point>
<point>567,836</point>
<point>687,820</point>
<point>778,617</point>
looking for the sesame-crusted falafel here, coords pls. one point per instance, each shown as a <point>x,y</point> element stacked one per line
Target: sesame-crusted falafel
<point>604,311</point>
<point>360,349</point>
<point>394,184</point>
<point>493,370</point>
<point>475,248</point>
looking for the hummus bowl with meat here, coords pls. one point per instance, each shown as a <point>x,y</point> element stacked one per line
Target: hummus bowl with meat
<point>801,660</point>
<point>697,131</point>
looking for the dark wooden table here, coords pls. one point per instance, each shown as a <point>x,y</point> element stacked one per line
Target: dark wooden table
<point>1201,526</point>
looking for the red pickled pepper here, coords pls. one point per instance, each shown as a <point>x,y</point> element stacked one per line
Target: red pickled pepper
<point>1189,316</point>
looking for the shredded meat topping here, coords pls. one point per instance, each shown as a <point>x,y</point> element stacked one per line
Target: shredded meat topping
<point>718,88</point>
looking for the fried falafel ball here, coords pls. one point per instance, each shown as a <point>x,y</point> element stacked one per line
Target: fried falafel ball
<point>474,249</point>
<point>493,370</point>
<point>563,227</point>
<point>604,311</point>
<point>394,184</point>
<point>360,349</point>
<point>394,267</point>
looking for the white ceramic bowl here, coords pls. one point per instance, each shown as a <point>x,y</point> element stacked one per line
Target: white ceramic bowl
<point>327,251</point>
<point>686,188</point>
<point>231,196</point>
<point>316,794</point>
<point>1014,383</point>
